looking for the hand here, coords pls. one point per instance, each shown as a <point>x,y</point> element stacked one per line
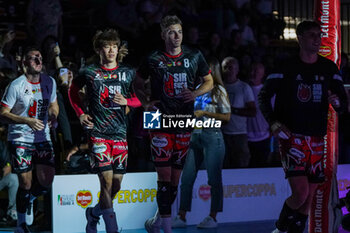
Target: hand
<point>333,99</point>
<point>35,124</point>
<point>187,95</point>
<point>9,36</point>
<point>280,131</point>
<point>52,122</point>
<point>71,152</point>
<point>151,106</point>
<point>199,113</point>
<point>86,121</point>
<point>119,99</point>
<point>6,170</point>
<point>56,50</point>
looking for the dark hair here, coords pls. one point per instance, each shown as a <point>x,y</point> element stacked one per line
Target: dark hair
<point>168,21</point>
<point>102,37</point>
<point>29,49</point>
<point>110,35</point>
<point>215,68</point>
<point>305,26</point>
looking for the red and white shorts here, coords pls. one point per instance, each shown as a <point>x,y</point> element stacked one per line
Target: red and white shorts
<point>169,149</point>
<point>303,156</point>
<point>109,155</point>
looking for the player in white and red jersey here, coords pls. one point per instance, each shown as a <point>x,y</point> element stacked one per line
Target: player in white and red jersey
<point>29,105</point>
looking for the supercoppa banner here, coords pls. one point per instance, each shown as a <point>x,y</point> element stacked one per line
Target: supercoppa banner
<point>323,216</point>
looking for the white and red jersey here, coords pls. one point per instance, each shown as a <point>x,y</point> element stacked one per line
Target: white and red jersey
<point>28,99</point>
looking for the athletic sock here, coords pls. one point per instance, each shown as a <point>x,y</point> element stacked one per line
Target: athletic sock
<point>166,224</point>
<point>286,217</point>
<point>110,220</point>
<point>96,210</point>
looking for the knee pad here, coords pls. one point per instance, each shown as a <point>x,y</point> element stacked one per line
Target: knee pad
<point>173,193</point>
<point>22,199</point>
<point>164,198</point>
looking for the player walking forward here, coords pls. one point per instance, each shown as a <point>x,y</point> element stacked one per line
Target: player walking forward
<point>304,87</point>
<point>109,91</point>
<point>29,105</point>
<point>174,73</point>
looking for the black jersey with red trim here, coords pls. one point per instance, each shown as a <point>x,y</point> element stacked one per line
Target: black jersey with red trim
<point>109,118</point>
<point>301,90</point>
<point>169,75</point>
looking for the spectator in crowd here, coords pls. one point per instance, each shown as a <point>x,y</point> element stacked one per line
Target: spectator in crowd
<point>345,68</point>
<point>123,15</point>
<point>214,46</point>
<point>304,87</point>
<point>257,127</point>
<point>242,106</point>
<point>7,178</point>
<point>171,96</point>
<point>7,60</point>
<point>248,37</point>
<point>206,145</point>
<point>30,106</point>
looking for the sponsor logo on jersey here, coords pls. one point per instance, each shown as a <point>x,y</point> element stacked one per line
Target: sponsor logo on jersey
<point>32,108</point>
<point>36,90</point>
<point>304,92</point>
<point>106,96</point>
<point>99,148</point>
<point>84,198</point>
<point>159,141</point>
<point>174,83</point>
<point>204,192</point>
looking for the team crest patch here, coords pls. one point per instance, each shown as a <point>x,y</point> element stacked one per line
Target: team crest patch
<point>304,92</point>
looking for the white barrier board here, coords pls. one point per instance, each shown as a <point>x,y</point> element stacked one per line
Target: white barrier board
<point>249,195</point>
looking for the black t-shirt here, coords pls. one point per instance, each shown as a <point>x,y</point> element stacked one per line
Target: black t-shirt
<point>109,118</point>
<point>302,95</point>
<point>169,75</point>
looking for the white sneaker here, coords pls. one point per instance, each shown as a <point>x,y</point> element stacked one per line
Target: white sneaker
<point>12,214</point>
<point>177,222</point>
<point>29,214</point>
<point>208,222</point>
<point>278,231</point>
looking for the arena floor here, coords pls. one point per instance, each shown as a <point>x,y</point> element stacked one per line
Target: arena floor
<point>242,227</point>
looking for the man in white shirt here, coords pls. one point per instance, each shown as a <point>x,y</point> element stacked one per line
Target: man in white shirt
<point>242,106</point>
<point>29,105</point>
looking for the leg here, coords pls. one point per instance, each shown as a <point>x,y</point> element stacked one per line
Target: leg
<point>12,190</point>
<point>241,151</point>
<point>214,152</point>
<point>193,162</point>
<point>23,196</point>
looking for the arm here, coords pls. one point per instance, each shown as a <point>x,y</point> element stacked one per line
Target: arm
<point>337,95</point>
<point>206,86</point>
<point>190,96</point>
<point>249,110</point>
<point>53,110</point>
<point>73,94</point>
<point>35,124</point>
